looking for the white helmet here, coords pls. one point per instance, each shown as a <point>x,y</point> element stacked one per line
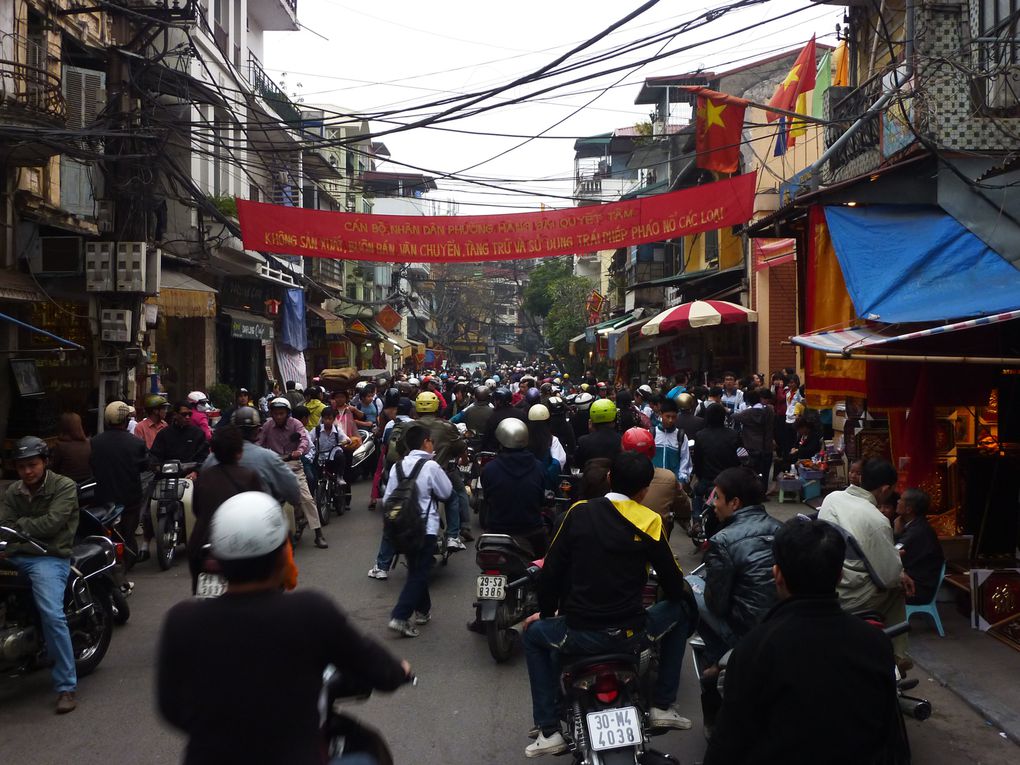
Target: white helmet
<point>583,399</point>
<point>279,403</point>
<point>199,401</point>
<point>247,525</point>
<point>490,383</point>
<point>413,381</point>
<point>538,413</point>
<point>645,390</point>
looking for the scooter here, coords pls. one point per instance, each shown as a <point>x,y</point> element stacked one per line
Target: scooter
<point>87,606</point>
<point>505,592</point>
<point>344,736</point>
<point>366,450</point>
<point>172,516</point>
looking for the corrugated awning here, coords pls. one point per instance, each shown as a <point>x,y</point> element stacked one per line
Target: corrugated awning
<point>510,348</point>
<point>848,340</point>
<point>184,297</point>
<point>16,286</point>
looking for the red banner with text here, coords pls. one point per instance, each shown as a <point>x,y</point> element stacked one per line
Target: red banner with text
<point>465,238</point>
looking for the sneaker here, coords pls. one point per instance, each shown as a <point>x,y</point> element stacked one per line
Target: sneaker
<point>377,573</point>
<point>404,627</point>
<point>554,744</point>
<point>453,543</point>
<point>420,618</point>
<point>667,718</point>
<point>66,703</point>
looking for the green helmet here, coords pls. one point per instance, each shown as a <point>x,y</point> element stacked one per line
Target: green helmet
<point>155,402</point>
<point>602,411</point>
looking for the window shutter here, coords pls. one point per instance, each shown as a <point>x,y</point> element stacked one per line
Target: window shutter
<point>85,96</point>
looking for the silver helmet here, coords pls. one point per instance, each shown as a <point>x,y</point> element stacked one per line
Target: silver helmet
<point>512,433</point>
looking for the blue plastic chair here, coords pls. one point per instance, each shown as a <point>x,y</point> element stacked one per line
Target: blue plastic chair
<point>931,609</point>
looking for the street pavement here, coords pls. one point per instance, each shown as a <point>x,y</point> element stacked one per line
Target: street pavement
<point>465,709</point>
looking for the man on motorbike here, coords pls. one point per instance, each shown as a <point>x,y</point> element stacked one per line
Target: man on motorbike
<point>156,408</point>
<point>243,398</point>
<point>288,438</point>
<point>501,398</point>
<point>272,715</point>
<point>44,505</point>
<point>448,445</point>
<point>183,440</point>
<point>118,460</point>
<point>806,651</point>
<point>666,495</point>
<point>603,440</point>
<point>594,576</point>
<point>476,415</point>
<point>737,588</point>
<point>513,486</point>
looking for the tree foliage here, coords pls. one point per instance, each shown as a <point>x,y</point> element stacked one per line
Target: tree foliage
<point>543,285</point>
<point>567,316</point>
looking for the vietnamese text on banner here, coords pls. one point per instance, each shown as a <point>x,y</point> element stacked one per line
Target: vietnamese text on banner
<point>446,239</point>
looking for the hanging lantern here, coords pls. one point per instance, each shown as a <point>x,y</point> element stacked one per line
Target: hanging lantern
<point>272,307</point>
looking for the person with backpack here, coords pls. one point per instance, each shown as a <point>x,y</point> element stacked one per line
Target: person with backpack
<point>672,450</point>
<point>392,444</point>
<point>327,438</point>
<point>411,522</point>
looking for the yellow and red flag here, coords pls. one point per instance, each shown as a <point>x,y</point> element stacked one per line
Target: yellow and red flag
<point>718,124</point>
<point>793,94</point>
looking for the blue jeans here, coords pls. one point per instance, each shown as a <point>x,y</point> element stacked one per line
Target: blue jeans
<point>669,623</point>
<point>714,630</point>
<point>452,508</point>
<point>384,558</point>
<point>49,581</point>
<point>415,594</point>
<point>465,510</point>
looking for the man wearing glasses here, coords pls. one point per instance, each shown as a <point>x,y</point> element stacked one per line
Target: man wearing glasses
<point>183,440</point>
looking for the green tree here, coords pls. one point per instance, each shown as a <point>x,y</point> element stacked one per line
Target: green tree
<point>567,316</point>
<point>543,285</point>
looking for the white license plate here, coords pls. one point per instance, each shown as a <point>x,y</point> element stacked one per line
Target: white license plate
<point>210,586</point>
<point>491,587</point>
<point>614,728</point>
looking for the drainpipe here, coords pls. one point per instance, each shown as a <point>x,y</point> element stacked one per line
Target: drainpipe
<point>899,80</point>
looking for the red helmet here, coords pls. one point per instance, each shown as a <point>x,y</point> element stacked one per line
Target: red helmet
<point>639,440</point>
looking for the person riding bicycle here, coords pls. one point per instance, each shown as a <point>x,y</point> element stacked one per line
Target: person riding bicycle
<point>44,505</point>
<point>328,441</point>
<point>267,648</point>
<point>594,577</point>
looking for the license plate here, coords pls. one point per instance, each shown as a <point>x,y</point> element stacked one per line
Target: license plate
<point>491,587</point>
<point>614,728</point>
<point>210,586</point>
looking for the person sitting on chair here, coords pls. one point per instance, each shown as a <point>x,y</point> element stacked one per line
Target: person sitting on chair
<point>919,545</point>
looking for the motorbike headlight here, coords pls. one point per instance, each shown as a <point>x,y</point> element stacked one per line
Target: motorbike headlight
<point>169,468</point>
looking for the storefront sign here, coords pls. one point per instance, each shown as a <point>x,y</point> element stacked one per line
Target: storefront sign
<point>387,318</point>
<point>334,326</point>
<point>468,238</point>
<point>245,329</point>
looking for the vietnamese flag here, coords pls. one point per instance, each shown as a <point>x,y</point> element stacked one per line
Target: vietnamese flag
<point>718,124</point>
<point>800,81</point>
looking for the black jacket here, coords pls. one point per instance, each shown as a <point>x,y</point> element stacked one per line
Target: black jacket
<point>118,460</point>
<point>562,430</point>
<point>739,587</point>
<point>598,561</point>
<point>186,444</point>
<point>922,558</point>
<point>513,487</point>
<point>781,681</point>
<point>690,424</point>
<point>489,442</point>
<point>715,449</point>
<point>604,442</point>
<point>757,426</point>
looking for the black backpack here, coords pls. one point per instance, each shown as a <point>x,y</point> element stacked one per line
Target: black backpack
<point>403,521</point>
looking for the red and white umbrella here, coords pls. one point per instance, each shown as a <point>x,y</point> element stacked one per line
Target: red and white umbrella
<point>699,313</point>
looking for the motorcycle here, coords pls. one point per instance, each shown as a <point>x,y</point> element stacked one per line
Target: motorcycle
<point>211,582</point>
<point>505,592</point>
<point>479,460</point>
<point>101,520</point>
<point>344,736</point>
<point>87,606</point>
<point>172,518</point>
<point>363,452</point>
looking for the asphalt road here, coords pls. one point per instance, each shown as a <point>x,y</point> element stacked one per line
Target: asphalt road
<point>466,708</point>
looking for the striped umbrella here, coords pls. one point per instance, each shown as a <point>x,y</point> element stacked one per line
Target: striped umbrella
<point>699,313</point>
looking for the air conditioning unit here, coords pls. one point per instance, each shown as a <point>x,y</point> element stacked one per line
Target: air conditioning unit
<point>57,256</point>
<point>131,266</point>
<point>99,259</point>
<point>115,325</point>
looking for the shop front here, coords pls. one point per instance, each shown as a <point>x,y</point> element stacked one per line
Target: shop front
<point>245,332</point>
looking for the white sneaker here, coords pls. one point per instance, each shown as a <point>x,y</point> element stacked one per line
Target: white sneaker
<point>453,543</point>
<point>420,618</point>
<point>554,744</point>
<point>377,573</point>
<point>404,627</point>
<point>667,718</point>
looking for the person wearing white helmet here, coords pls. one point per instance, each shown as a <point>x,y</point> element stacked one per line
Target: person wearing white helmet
<point>266,647</point>
<point>199,404</point>
<point>287,437</point>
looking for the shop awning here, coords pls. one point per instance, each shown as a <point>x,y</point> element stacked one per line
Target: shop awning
<point>39,331</point>
<point>512,349</point>
<point>773,252</point>
<point>19,287</point>
<point>851,340</point>
<point>915,263</point>
<point>397,342</point>
<point>248,326</point>
<point>184,297</point>
<point>709,278</point>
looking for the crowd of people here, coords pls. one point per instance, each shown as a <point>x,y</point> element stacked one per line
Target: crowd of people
<point>643,458</point>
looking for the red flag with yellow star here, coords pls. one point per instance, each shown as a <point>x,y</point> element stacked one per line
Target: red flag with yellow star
<point>718,124</point>
<point>799,81</point>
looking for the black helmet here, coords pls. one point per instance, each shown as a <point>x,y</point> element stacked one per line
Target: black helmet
<point>245,417</point>
<point>392,398</point>
<point>556,405</point>
<point>532,396</point>
<point>501,396</point>
<point>547,389</point>
<point>30,446</point>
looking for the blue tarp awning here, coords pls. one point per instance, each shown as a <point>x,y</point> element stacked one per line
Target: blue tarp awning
<point>914,263</point>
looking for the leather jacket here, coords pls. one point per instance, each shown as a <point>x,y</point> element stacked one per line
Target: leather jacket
<point>739,586</point>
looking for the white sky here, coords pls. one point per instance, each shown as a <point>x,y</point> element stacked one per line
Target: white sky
<point>397,53</point>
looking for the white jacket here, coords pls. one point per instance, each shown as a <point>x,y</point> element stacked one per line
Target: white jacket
<point>433,486</point>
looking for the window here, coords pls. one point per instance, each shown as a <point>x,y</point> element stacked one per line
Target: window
<point>997,88</point>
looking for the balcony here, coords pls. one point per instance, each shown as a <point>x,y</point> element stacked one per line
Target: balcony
<point>30,97</point>
<point>271,93</point>
<point>274,15</point>
<point>845,105</point>
<point>419,271</point>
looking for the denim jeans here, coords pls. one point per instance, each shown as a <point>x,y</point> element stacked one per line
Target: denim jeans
<point>714,630</point>
<point>452,510</point>
<point>384,558</point>
<point>415,594</point>
<point>465,510</point>
<point>49,580</point>
<point>669,624</point>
